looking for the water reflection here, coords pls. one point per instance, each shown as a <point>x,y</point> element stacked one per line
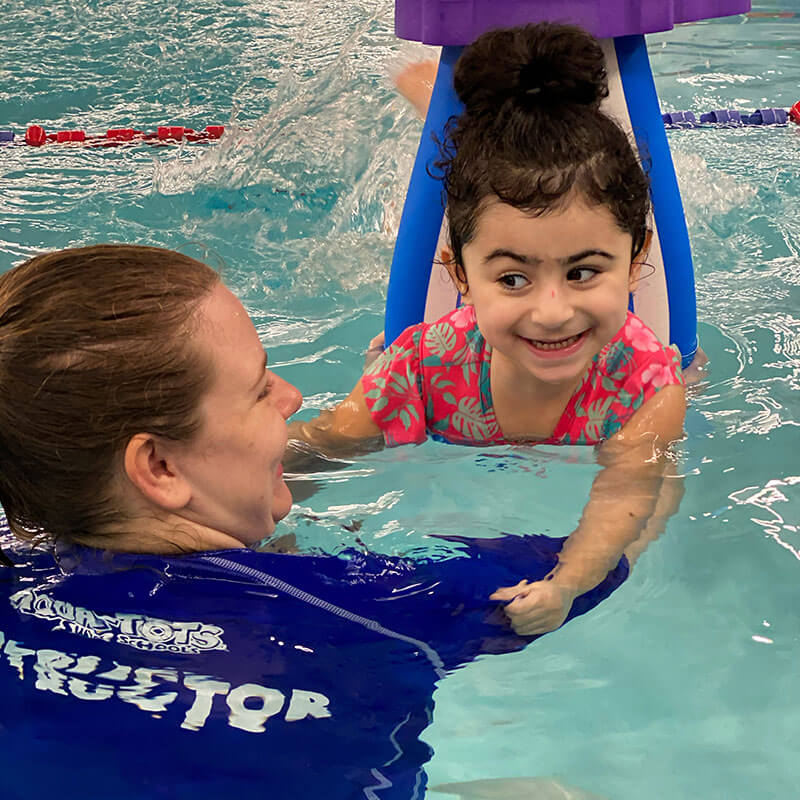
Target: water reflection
<point>773,523</point>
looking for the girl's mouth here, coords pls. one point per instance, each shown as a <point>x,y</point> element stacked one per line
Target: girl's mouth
<point>557,348</point>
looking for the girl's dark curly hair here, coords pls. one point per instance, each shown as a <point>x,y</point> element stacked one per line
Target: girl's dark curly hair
<point>533,135</point>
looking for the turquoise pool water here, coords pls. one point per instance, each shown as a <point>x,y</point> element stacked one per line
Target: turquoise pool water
<point>683,683</point>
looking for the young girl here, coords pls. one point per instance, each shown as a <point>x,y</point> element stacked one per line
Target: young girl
<point>547,208</point>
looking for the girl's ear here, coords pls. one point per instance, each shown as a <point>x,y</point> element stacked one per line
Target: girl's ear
<point>446,257</point>
<point>639,260</point>
<point>151,467</point>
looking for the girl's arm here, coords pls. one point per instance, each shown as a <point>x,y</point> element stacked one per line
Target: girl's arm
<point>623,498</point>
<point>343,431</point>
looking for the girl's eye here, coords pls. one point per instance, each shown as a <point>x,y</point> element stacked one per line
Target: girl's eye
<point>265,391</point>
<point>581,274</point>
<point>513,280</point>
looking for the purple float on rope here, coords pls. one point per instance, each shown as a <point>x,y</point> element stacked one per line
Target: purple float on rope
<point>722,116</point>
<point>680,119</point>
<point>768,116</point>
<point>727,117</point>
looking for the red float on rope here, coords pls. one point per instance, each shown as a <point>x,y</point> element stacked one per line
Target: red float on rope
<point>794,113</point>
<point>71,136</point>
<point>36,136</point>
<point>172,132</point>
<point>123,134</point>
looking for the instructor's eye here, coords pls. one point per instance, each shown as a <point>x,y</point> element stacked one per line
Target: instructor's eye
<point>265,391</point>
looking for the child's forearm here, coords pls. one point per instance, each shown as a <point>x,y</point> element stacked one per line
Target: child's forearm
<point>320,438</point>
<point>326,435</point>
<point>667,503</point>
<point>622,501</point>
<point>344,431</point>
<point>318,433</point>
<point>625,493</point>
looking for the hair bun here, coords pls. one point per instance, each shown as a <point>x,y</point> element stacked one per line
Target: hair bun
<point>538,65</point>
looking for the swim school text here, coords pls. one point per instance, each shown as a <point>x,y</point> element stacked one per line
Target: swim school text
<point>91,678</point>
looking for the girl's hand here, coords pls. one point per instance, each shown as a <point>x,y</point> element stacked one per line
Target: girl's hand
<point>697,370</point>
<point>537,607</point>
<point>375,348</point>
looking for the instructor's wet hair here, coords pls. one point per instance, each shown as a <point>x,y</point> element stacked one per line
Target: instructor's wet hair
<point>95,347</point>
<point>533,135</point>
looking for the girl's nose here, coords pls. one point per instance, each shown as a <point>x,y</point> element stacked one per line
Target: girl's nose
<point>288,397</point>
<point>552,308</point>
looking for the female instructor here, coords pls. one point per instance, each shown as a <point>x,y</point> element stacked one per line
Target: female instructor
<point>149,652</point>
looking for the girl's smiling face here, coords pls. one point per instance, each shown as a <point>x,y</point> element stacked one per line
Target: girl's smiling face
<point>549,291</point>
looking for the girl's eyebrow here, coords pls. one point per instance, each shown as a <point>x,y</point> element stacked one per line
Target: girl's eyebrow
<point>585,254</point>
<point>501,252</point>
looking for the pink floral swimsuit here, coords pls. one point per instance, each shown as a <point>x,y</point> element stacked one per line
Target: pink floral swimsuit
<point>434,380</point>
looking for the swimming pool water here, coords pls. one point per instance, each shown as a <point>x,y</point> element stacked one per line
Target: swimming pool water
<point>683,683</point>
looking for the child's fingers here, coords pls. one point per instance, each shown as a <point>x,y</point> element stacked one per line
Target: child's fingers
<point>506,593</point>
<point>530,621</point>
<point>377,342</point>
<point>374,350</point>
<point>528,628</point>
<point>537,609</point>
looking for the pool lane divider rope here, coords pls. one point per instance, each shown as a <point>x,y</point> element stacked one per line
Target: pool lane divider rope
<point>731,118</point>
<point>37,136</point>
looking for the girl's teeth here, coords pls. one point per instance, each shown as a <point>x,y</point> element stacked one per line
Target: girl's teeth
<point>556,345</point>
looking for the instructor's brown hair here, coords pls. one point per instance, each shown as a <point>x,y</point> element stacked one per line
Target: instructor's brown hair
<point>95,346</point>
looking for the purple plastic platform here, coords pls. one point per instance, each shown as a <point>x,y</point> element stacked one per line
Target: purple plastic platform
<point>459,22</point>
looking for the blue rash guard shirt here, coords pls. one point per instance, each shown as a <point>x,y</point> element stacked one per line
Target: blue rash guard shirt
<point>241,673</point>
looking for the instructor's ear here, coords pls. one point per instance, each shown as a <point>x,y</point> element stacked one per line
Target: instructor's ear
<point>151,468</point>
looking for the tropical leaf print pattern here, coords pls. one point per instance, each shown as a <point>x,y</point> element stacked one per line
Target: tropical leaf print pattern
<point>435,380</point>
<point>440,339</point>
<point>626,373</point>
<point>391,391</point>
<point>422,384</point>
<point>470,421</point>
